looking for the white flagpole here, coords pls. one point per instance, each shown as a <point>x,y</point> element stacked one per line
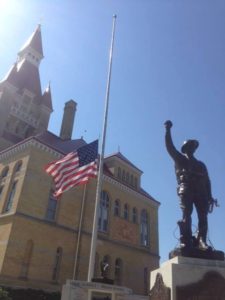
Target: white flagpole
<point>100,173</point>
<point>79,233</point>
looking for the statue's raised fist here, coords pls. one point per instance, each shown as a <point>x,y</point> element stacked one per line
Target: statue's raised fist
<point>168,124</point>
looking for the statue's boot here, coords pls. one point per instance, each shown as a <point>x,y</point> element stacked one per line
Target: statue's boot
<point>185,235</point>
<point>202,236</point>
<point>202,244</point>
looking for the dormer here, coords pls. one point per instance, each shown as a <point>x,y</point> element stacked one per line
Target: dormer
<point>124,170</point>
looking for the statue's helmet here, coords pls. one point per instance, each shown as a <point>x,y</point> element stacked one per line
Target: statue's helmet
<point>189,145</point>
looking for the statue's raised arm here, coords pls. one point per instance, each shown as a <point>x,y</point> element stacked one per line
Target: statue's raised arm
<point>173,152</point>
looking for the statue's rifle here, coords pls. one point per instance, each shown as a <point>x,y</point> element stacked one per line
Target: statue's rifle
<point>213,202</point>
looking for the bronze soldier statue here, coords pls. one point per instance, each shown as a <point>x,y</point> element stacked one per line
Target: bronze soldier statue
<point>194,189</point>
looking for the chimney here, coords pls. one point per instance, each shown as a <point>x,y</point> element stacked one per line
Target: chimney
<point>68,120</point>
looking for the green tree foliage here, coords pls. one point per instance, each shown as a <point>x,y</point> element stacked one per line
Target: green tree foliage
<point>4,295</point>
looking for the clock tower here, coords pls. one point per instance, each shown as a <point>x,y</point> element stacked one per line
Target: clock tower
<point>24,109</point>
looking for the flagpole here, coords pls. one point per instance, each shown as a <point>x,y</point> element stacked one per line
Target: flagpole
<point>79,232</point>
<point>100,173</point>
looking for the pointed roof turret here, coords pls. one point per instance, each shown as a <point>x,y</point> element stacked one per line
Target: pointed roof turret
<point>33,43</point>
<point>24,74</point>
<point>10,74</point>
<point>47,97</point>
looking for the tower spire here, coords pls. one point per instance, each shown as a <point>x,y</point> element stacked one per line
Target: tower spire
<point>47,97</point>
<point>24,109</point>
<point>32,50</point>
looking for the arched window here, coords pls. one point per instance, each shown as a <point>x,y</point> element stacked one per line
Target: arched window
<point>26,259</point>
<point>144,228</point>
<point>132,180</point>
<point>135,182</point>
<point>57,263</point>
<point>127,177</point>
<point>134,215</point>
<point>119,173</point>
<point>5,172</point>
<point>123,175</point>
<point>103,212</point>
<point>11,197</point>
<point>117,208</point>
<point>28,132</point>
<point>118,271</point>
<point>52,207</point>
<point>17,167</point>
<point>126,212</point>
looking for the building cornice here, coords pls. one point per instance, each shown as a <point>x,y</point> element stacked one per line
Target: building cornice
<point>33,142</point>
<point>24,145</point>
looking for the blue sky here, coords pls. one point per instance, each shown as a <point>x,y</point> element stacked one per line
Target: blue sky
<point>168,64</point>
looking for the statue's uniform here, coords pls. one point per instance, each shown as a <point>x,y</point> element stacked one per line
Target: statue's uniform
<point>193,188</point>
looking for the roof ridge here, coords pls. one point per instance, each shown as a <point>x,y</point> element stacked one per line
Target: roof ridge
<point>123,157</point>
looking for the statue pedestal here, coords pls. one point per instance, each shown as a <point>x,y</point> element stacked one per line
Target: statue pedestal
<point>184,278</point>
<point>197,253</point>
<point>83,290</point>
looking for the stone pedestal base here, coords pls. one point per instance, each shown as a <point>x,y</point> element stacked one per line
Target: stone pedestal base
<point>83,290</point>
<point>184,278</point>
<point>197,253</point>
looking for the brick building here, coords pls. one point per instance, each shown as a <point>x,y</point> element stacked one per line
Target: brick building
<point>38,234</point>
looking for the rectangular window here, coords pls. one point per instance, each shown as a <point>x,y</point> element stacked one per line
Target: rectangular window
<point>103,212</point>
<point>56,268</point>
<point>51,210</point>
<point>144,235</point>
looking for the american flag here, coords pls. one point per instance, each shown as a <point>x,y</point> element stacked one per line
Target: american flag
<point>74,169</point>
